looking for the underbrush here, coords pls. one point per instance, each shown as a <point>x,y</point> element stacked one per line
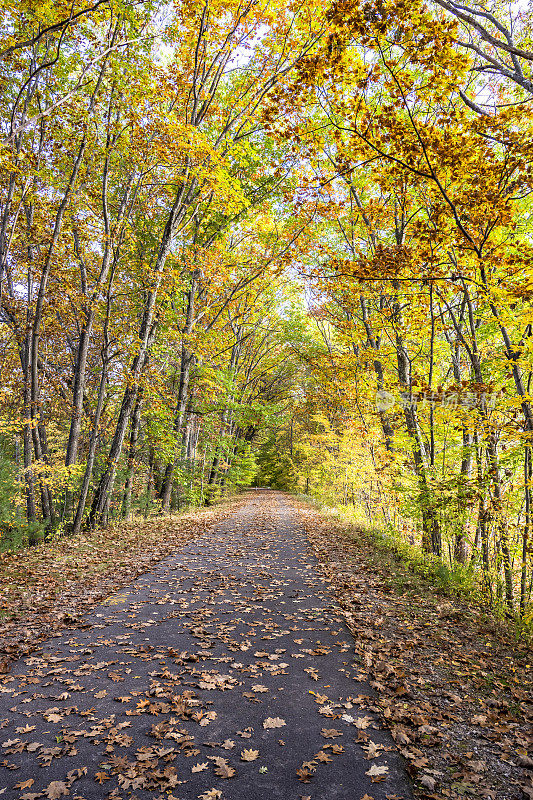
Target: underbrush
<point>406,568</point>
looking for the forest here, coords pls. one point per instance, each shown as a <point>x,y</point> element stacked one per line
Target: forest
<point>271,243</point>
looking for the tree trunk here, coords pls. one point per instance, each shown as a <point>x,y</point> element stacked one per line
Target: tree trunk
<point>186,362</point>
<point>132,452</point>
<point>84,490</point>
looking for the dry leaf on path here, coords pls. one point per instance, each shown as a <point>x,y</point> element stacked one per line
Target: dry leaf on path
<point>363,722</point>
<point>274,722</point>
<point>377,773</point>
<point>56,789</point>
<point>224,771</point>
<point>24,784</point>
<point>330,733</point>
<point>249,755</point>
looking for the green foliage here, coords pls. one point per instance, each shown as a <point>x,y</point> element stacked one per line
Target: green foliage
<point>15,532</point>
<point>243,467</point>
<point>275,468</point>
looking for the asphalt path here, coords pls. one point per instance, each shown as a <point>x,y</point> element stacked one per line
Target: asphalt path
<point>226,673</point>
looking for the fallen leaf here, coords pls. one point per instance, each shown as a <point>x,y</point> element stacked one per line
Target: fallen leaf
<point>304,774</point>
<point>363,722</point>
<point>24,784</point>
<point>249,755</point>
<point>211,794</point>
<point>428,782</point>
<point>274,722</point>
<point>372,749</point>
<point>330,733</point>
<point>224,771</point>
<point>377,773</point>
<point>56,789</point>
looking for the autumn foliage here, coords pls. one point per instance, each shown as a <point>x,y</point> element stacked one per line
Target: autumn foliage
<point>277,243</point>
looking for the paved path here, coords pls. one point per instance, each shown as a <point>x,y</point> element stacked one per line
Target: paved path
<point>228,650</point>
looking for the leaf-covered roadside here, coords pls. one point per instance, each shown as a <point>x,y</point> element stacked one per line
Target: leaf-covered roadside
<point>46,588</point>
<point>453,689</point>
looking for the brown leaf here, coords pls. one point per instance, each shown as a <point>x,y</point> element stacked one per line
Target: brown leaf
<point>249,755</point>
<point>304,775</point>
<point>372,749</point>
<point>274,722</point>
<point>56,789</point>
<point>224,771</point>
<point>377,773</point>
<point>24,784</point>
<point>428,782</point>
<point>330,733</point>
<point>363,722</point>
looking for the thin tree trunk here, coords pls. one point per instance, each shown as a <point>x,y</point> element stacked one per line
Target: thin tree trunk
<point>186,362</point>
<point>84,490</point>
<point>527,528</point>
<point>132,452</point>
<point>29,489</point>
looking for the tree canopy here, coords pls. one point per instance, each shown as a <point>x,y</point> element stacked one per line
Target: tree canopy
<point>282,244</point>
